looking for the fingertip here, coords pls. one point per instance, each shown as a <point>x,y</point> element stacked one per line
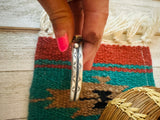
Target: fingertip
<point>88,65</point>
<point>87,68</point>
<point>63,42</point>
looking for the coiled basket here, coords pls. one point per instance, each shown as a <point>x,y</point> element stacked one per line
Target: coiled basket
<point>140,103</point>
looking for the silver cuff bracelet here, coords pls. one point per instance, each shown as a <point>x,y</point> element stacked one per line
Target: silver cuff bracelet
<point>77,68</point>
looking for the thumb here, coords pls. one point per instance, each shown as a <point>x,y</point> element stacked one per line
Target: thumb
<point>62,20</point>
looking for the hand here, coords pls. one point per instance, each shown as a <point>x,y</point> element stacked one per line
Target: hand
<point>78,17</point>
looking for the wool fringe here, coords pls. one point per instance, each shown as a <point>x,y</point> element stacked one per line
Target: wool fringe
<point>116,26</point>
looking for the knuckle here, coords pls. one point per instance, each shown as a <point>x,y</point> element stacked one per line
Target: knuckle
<point>60,16</point>
<point>92,38</point>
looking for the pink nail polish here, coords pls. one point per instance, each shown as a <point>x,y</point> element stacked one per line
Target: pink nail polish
<point>63,43</point>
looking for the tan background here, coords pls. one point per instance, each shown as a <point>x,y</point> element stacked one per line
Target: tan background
<point>19,27</point>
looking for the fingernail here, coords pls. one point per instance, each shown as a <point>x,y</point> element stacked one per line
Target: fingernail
<point>63,42</point>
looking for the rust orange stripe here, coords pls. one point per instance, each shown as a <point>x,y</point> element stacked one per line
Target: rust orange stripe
<point>53,66</point>
<point>109,54</point>
<point>122,69</point>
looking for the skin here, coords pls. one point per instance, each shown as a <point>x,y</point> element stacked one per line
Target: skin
<point>82,17</point>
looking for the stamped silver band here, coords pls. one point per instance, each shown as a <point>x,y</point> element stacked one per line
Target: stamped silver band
<point>77,71</point>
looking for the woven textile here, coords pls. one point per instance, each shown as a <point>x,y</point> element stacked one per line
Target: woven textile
<point>115,69</point>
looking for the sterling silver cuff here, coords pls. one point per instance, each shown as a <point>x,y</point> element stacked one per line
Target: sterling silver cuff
<point>77,68</point>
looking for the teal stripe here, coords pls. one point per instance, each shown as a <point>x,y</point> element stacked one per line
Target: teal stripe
<point>60,62</point>
<point>60,78</point>
<point>122,66</point>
